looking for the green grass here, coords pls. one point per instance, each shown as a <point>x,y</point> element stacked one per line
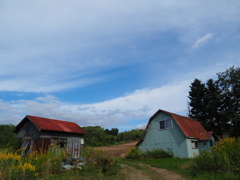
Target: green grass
<point>177,165</point>
<point>223,162</point>
<point>180,166</point>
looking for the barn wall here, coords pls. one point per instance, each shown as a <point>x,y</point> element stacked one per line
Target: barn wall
<point>28,131</point>
<point>42,144</point>
<point>28,134</point>
<point>74,147</point>
<point>53,134</point>
<point>163,139</point>
<point>71,142</point>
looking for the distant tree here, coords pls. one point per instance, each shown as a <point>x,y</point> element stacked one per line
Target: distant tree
<point>134,134</point>
<point>107,131</point>
<point>99,137</point>
<point>96,136</point>
<point>113,131</point>
<point>8,139</point>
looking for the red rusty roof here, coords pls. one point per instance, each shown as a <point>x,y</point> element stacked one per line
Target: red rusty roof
<point>190,127</point>
<point>47,124</point>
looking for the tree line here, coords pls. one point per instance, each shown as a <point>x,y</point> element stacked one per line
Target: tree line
<point>216,103</point>
<point>8,139</point>
<point>98,136</point>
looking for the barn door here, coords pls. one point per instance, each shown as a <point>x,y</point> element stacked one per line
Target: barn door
<point>74,147</point>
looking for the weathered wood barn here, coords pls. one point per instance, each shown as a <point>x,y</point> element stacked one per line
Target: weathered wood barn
<point>38,134</point>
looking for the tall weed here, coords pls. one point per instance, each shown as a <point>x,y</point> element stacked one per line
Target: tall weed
<point>224,157</point>
<point>36,165</point>
<point>97,161</point>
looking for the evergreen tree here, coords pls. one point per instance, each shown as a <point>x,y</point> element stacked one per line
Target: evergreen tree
<point>215,119</point>
<point>216,104</point>
<point>230,84</point>
<point>197,103</point>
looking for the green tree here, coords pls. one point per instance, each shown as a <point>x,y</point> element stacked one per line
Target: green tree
<point>113,131</point>
<point>8,139</point>
<point>134,134</point>
<point>96,136</point>
<point>99,137</point>
<point>197,103</point>
<point>216,104</point>
<point>230,85</point>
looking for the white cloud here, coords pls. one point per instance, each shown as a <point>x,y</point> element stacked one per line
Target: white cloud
<point>203,40</point>
<point>137,105</point>
<point>141,126</point>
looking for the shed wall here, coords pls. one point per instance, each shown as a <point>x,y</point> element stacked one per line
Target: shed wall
<point>34,140</point>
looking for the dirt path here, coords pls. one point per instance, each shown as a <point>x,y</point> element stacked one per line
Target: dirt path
<point>149,173</point>
<point>144,172</point>
<point>118,150</point>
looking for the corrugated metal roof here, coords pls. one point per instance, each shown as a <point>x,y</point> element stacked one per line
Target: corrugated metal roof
<point>55,125</point>
<point>190,127</point>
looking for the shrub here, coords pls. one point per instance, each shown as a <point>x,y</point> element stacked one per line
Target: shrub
<point>135,153</point>
<point>223,157</point>
<point>159,153</point>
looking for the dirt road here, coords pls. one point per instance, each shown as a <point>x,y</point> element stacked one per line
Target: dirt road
<point>145,172</point>
<point>149,173</point>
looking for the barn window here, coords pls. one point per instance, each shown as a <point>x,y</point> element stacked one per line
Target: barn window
<point>165,124</point>
<point>61,142</point>
<point>194,144</point>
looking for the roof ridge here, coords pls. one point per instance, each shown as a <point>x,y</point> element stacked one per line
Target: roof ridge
<point>51,119</point>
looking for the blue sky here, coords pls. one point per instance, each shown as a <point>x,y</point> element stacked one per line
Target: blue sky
<point>110,63</point>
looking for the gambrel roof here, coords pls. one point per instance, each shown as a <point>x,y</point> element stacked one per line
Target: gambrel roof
<point>190,127</point>
<point>46,124</point>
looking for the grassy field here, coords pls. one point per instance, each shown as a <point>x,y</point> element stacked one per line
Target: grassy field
<point>223,162</point>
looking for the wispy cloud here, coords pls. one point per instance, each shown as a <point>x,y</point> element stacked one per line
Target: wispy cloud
<point>203,40</point>
<point>137,105</point>
<point>62,45</point>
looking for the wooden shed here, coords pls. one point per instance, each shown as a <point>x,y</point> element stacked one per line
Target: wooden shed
<point>38,134</point>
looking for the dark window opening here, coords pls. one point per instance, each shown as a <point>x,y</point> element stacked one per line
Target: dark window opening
<point>165,124</point>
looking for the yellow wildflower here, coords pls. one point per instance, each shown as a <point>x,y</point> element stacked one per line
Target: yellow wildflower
<point>26,166</point>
